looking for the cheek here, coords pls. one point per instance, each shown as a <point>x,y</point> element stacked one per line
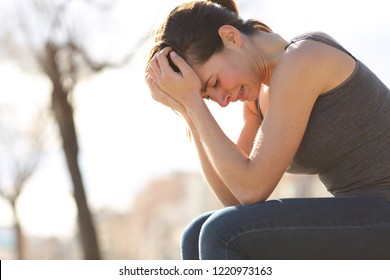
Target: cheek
<point>232,74</point>
<point>228,82</point>
<point>231,78</point>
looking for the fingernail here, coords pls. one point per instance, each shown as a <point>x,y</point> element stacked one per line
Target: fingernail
<point>173,54</point>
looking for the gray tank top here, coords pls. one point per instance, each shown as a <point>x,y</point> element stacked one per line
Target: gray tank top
<point>347,139</point>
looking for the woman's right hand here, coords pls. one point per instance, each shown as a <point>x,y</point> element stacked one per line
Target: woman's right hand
<point>183,86</point>
<point>162,97</point>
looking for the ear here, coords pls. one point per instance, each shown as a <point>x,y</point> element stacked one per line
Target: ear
<point>231,36</point>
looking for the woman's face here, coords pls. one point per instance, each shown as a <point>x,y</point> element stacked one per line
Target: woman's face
<point>229,76</point>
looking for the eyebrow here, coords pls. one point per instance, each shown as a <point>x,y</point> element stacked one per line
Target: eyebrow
<point>205,85</point>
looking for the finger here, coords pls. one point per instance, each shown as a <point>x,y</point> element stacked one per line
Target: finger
<point>151,84</point>
<point>151,72</point>
<point>153,68</point>
<point>148,79</point>
<point>162,60</point>
<point>180,62</point>
<point>159,95</point>
<point>154,90</point>
<point>155,62</point>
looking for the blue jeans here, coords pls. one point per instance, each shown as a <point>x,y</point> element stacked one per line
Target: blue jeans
<point>302,228</point>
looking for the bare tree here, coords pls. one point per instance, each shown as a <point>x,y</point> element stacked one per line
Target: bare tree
<point>53,35</point>
<point>21,146</point>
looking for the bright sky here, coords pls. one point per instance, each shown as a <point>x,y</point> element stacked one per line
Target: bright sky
<point>127,139</point>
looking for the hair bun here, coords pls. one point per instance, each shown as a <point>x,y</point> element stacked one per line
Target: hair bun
<point>228,4</point>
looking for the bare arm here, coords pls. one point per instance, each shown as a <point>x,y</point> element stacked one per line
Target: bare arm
<point>252,124</point>
<point>213,179</point>
<point>245,141</point>
<point>296,84</point>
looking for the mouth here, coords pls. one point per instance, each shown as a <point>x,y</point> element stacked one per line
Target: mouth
<point>241,94</point>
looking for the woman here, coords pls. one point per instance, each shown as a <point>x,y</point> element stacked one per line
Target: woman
<point>309,107</point>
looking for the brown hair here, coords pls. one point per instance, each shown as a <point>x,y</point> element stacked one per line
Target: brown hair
<point>191,29</point>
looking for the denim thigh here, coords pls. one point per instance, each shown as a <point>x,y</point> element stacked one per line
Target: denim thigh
<point>307,228</point>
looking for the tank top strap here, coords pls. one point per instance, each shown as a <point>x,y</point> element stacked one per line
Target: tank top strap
<point>259,109</point>
<point>319,38</point>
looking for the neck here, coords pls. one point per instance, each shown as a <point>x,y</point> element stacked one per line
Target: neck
<point>269,48</point>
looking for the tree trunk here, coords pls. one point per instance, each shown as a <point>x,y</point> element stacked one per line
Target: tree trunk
<point>63,112</point>
<point>20,244</point>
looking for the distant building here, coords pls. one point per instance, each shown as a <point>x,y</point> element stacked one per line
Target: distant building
<point>299,186</point>
<point>161,212</point>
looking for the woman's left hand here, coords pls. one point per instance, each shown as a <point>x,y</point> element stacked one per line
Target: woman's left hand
<point>184,87</point>
<point>160,96</point>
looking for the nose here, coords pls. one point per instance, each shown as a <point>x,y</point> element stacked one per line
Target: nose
<point>223,98</point>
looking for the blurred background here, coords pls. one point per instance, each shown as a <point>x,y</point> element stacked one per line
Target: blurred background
<point>90,166</point>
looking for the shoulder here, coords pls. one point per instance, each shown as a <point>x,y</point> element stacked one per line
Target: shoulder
<point>318,45</point>
<point>319,57</point>
<point>307,44</point>
<point>314,35</point>
<point>312,43</point>
<point>302,64</point>
<point>315,63</point>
